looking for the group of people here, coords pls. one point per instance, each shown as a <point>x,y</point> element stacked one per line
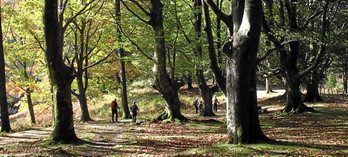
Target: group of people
<point>114,107</point>
<point>199,105</point>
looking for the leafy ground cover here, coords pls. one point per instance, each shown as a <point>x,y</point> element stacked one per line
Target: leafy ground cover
<point>324,133</point>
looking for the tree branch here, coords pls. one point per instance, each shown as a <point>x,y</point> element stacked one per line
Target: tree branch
<point>227,19</point>
<point>134,14</point>
<point>81,11</point>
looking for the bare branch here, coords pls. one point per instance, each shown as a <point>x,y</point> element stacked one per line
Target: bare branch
<point>227,19</point>
<point>137,46</point>
<point>81,11</point>
<point>141,7</point>
<point>134,14</point>
<point>98,62</point>
<point>37,40</point>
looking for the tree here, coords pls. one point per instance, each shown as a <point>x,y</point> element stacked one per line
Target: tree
<point>166,85</point>
<point>206,90</point>
<point>289,58</point>
<point>61,75</point>
<point>121,52</point>
<point>244,27</point>
<point>5,121</point>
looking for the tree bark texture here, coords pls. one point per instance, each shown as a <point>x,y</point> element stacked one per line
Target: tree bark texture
<point>121,52</point>
<point>205,90</point>
<point>61,76</point>
<point>242,115</point>
<point>5,121</point>
<point>312,86</point>
<point>268,85</point>
<point>164,84</point>
<point>31,108</point>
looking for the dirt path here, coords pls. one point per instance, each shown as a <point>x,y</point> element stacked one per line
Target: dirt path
<point>103,138</point>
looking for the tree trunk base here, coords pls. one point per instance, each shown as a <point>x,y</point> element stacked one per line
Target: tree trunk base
<point>261,138</point>
<point>301,109</point>
<point>210,114</point>
<point>166,117</point>
<point>127,117</point>
<point>313,99</point>
<point>86,119</point>
<point>64,140</point>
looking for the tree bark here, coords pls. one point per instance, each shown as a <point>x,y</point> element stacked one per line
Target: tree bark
<point>268,85</point>
<point>312,86</point>
<point>31,107</point>
<point>164,84</point>
<point>121,52</point>
<point>214,65</point>
<point>61,76</point>
<point>345,81</point>
<point>242,115</point>
<point>85,117</point>
<point>205,91</point>
<point>5,121</point>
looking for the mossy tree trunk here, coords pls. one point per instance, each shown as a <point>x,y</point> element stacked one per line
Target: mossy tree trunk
<point>244,25</point>
<point>167,86</point>
<point>61,76</point>
<point>121,52</point>
<point>312,86</point>
<point>206,91</point>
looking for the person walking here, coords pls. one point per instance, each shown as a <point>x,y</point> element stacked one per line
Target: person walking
<point>215,103</point>
<point>114,108</point>
<point>134,109</point>
<point>195,104</point>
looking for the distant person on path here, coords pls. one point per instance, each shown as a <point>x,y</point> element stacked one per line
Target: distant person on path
<point>215,103</point>
<point>200,106</point>
<point>134,108</point>
<point>114,108</point>
<point>195,104</point>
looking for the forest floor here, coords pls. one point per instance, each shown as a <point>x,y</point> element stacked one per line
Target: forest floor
<point>323,133</point>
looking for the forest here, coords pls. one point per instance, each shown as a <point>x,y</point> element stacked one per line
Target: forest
<point>174,77</point>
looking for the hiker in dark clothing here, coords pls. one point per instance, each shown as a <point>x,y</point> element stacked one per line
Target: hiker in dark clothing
<point>195,104</point>
<point>200,106</point>
<point>114,108</point>
<point>134,108</point>
<point>215,104</point>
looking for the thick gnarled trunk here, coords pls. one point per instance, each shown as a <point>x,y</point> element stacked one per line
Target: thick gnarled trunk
<point>60,76</point>
<point>164,84</point>
<point>312,88</point>
<point>242,116</point>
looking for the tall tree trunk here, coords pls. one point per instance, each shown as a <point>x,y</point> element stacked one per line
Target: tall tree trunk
<point>60,76</point>
<point>164,84</point>
<point>31,107</point>
<point>214,65</point>
<point>345,81</point>
<point>121,52</point>
<point>82,78</point>
<point>242,116</point>
<point>205,91</point>
<point>5,121</point>
<point>268,85</point>
<point>294,96</point>
<point>218,34</point>
<point>312,86</point>
<point>189,81</point>
<point>85,117</point>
